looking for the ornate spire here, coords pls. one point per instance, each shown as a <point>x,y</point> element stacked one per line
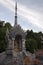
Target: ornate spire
<point>16,13</point>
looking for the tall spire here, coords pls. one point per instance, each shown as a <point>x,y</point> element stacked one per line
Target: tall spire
<point>16,13</point>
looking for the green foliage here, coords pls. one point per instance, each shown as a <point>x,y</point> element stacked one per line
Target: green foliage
<point>8,25</point>
<point>2,39</point>
<point>31,45</point>
<point>33,41</point>
<point>3,43</point>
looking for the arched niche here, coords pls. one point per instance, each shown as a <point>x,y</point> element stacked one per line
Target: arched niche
<point>18,43</point>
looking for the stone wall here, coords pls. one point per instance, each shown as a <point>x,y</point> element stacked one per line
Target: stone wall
<point>2,56</point>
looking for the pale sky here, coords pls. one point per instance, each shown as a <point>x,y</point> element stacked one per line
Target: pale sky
<point>30,13</point>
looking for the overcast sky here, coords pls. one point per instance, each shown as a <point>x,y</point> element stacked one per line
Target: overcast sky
<point>30,13</point>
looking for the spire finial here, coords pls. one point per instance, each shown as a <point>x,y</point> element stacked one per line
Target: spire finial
<point>15,13</point>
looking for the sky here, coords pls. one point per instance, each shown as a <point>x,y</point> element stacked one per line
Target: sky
<point>29,13</point>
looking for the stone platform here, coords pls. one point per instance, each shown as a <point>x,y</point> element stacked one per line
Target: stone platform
<point>11,60</point>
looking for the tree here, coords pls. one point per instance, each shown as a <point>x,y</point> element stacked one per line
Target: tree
<point>3,43</point>
<point>36,36</point>
<point>2,39</point>
<point>8,25</point>
<point>29,34</point>
<point>31,45</point>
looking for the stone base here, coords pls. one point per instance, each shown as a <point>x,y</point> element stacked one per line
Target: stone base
<point>11,60</point>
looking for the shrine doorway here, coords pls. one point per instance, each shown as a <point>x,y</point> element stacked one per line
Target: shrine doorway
<point>18,43</point>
